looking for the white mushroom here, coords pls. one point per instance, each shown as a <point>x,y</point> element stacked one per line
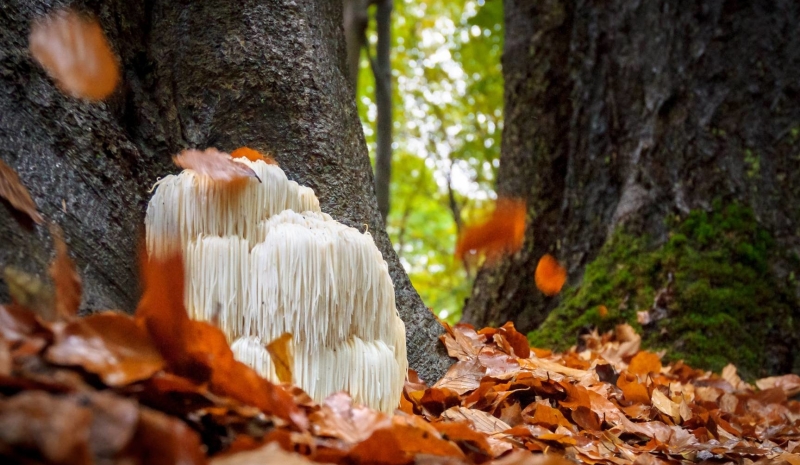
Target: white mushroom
<point>262,269</point>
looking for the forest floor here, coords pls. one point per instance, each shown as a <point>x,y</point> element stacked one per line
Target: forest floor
<point>158,388</point>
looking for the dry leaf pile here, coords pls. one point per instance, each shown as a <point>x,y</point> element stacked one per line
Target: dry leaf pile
<point>159,388</point>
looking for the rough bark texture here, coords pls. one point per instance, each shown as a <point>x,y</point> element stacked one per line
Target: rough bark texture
<point>268,74</point>
<point>626,112</point>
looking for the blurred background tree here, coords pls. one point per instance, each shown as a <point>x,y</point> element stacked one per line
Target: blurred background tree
<point>447,102</point>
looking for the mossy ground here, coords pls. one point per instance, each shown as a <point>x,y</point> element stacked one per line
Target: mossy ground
<point>724,303</point>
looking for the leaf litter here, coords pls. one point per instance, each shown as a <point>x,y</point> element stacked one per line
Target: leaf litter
<point>160,388</point>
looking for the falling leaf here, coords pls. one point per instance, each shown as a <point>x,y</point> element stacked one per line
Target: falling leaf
<point>280,351</point>
<point>602,310</point>
<point>502,234</point>
<point>550,276</point>
<point>108,344</point>
<point>74,51</point>
<point>215,165</point>
<point>16,194</point>
<point>252,155</point>
<point>65,277</point>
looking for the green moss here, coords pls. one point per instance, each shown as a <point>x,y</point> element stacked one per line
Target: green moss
<point>724,306</point>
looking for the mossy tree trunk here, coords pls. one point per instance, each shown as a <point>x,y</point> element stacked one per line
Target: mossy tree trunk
<point>271,75</point>
<point>628,120</point>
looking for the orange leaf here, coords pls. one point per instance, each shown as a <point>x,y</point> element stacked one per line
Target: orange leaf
<point>108,344</point>
<point>68,283</point>
<point>11,189</point>
<point>280,352</point>
<point>253,155</point>
<point>633,391</point>
<point>75,53</point>
<point>550,275</point>
<point>517,340</point>
<point>645,362</point>
<point>198,350</point>
<point>161,306</point>
<point>502,234</point>
<point>214,164</point>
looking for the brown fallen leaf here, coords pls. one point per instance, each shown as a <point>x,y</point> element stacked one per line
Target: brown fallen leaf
<point>270,454</point>
<point>55,427</point>
<point>644,363</point>
<point>789,383</point>
<point>73,50</point>
<point>111,345</point>
<point>164,440</point>
<point>65,276</point>
<point>215,165</point>
<point>479,420</point>
<point>280,351</point>
<point>339,418</point>
<point>12,190</point>
<point>665,405</point>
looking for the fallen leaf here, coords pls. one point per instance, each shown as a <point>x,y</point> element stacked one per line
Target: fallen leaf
<point>644,363</point>
<point>729,374</point>
<point>789,383</point>
<point>164,440</point>
<point>407,437</point>
<point>633,391</point>
<point>479,420</point>
<point>56,427</point>
<point>517,340</point>
<point>550,276</point>
<point>270,454</point>
<point>280,351</point>
<point>339,418</point>
<point>215,165</point>
<point>66,279</point>
<point>111,345</point>
<point>74,51</point>
<point>502,234</point>
<point>253,155</point>
<point>665,405</point>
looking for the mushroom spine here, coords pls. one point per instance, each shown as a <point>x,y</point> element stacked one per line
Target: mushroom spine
<point>262,259</point>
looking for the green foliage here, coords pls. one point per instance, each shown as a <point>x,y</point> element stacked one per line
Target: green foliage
<point>722,282</point>
<point>447,121</point>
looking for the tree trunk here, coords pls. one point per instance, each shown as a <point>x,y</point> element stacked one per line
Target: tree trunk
<point>632,118</point>
<point>269,75</point>
<point>383,101</point>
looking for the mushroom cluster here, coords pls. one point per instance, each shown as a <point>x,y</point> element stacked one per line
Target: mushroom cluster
<point>262,260</point>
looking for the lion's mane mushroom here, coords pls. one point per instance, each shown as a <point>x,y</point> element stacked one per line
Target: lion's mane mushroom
<point>262,260</point>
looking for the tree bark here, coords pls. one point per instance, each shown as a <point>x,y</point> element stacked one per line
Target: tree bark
<point>383,100</point>
<point>620,114</point>
<point>269,75</point>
